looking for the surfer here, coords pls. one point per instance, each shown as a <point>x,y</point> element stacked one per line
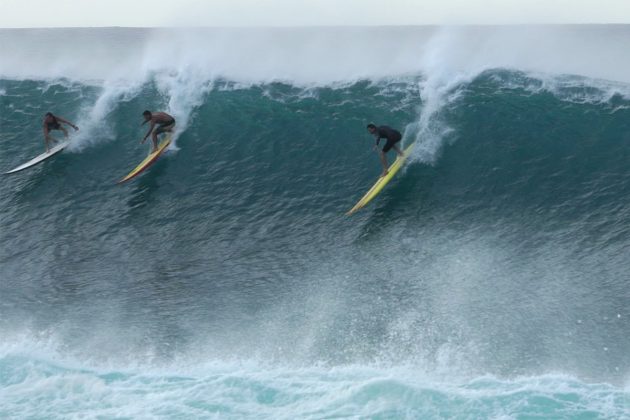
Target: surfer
<point>53,122</point>
<point>392,136</point>
<point>165,123</point>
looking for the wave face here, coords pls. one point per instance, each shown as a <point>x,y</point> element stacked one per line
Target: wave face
<point>488,280</point>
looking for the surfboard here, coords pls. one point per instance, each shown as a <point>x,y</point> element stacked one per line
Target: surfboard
<point>148,161</point>
<point>38,159</point>
<point>382,181</point>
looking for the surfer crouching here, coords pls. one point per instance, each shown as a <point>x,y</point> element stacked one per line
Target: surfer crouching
<point>53,122</point>
<point>165,123</point>
<point>392,136</point>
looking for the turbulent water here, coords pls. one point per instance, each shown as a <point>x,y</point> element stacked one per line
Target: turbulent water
<point>488,280</point>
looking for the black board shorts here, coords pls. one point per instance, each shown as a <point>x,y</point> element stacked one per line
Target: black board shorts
<point>164,127</point>
<point>391,142</point>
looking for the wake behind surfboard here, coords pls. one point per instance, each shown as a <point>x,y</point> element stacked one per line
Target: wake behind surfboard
<point>38,159</point>
<point>382,181</point>
<point>148,161</point>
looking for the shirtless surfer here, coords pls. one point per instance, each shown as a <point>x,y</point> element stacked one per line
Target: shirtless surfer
<point>53,122</point>
<point>165,123</point>
<point>392,136</point>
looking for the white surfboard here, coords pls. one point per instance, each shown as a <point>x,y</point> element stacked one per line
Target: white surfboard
<point>53,151</point>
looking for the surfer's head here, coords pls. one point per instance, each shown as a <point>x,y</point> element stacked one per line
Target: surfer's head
<point>49,116</point>
<point>371,128</point>
<point>147,115</point>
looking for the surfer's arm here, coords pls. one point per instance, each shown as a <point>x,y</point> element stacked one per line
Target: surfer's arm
<point>46,132</point>
<point>148,132</point>
<point>63,120</point>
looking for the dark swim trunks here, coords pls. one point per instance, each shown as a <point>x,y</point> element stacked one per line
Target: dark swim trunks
<point>392,136</point>
<point>165,126</point>
<point>53,125</point>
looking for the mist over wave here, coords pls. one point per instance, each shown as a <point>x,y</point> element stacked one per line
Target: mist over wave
<point>312,55</point>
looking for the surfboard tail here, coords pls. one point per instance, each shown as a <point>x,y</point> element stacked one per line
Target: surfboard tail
<point>38,159</point>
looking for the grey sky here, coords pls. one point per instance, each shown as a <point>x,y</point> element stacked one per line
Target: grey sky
<point>72,13</point>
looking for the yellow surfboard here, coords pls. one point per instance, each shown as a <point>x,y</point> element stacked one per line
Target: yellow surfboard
<point>382,181</point>
<point>148,161</point>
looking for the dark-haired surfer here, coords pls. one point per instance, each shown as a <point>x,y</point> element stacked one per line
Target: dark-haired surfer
<point>392,136</point>
<point>165,123</point>
<point>53,122</point>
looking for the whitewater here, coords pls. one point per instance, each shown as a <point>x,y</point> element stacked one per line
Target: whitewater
<point>488,280</point>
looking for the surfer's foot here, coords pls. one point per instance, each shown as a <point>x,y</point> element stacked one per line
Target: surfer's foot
<point>384,173</point>
<point>154,150</point>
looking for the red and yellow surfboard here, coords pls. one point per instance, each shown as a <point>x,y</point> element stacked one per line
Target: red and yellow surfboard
<point>148,161</point>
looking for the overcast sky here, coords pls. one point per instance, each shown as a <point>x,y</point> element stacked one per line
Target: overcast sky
<point>72,13</point>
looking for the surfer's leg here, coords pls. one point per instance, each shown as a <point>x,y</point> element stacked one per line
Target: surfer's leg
<point>154,139</point>
<point>50,141</point>
<point>65,132</point>
<point>384,162</point>
<point>163,129</point>
<point>388,146</point>
<point>397,149</point>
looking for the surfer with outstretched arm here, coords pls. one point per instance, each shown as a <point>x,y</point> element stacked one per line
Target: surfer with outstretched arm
<point>53,122</point>
<point>392,136</point>
<point>165,123</point>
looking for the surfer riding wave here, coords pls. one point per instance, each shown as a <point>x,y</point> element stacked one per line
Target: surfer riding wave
<point>165,123</point>
<point>392,136</point>
<point>53,122</point>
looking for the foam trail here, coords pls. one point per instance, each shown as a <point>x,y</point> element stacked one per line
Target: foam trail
<point>94,123</point>
<point>445,75</point>
<point>185,89</point>
<point>454,56</point>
